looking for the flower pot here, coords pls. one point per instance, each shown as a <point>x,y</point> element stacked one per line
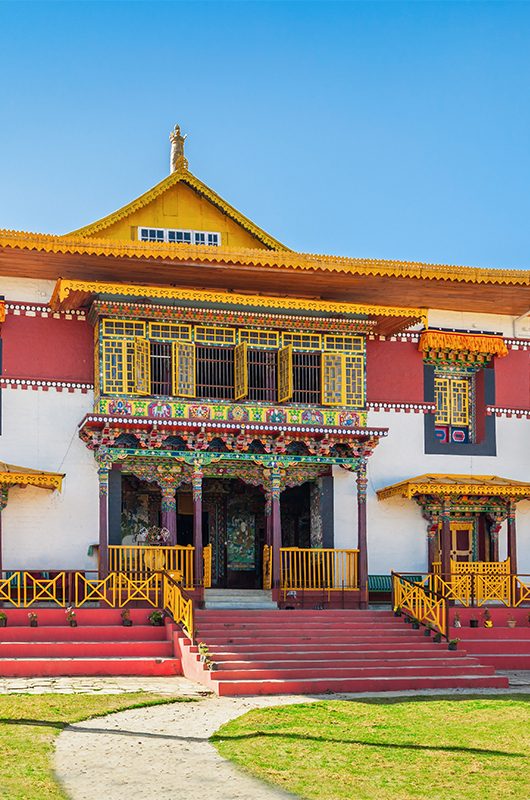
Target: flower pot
<point>473,623</point>
<point>397,612</point>
<point>427,632</point>
<point>127,623</point>
<point>72,623</point>
<point>451,646</point>
<point>407,619</point>
<point>437,638</point>
<point>33,623</point>
<point>512,623</point>
<point>3,623</point>
<point>416,626</point>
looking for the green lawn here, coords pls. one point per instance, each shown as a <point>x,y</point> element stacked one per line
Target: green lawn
<point>29,725</point>
<point>394,749</point>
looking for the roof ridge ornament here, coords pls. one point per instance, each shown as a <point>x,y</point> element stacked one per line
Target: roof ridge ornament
<point>177,160</point>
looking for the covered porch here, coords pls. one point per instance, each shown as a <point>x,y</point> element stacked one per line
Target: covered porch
<point>465,517</point>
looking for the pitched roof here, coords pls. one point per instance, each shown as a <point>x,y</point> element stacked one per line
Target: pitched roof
<point>181,175</point>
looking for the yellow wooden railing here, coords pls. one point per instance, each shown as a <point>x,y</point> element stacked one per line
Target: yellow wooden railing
<point>180,607</point>
<point>267,566</point>
<point>417,600</point>
<point>207,561</point>
<point>318,568</point>
<point>475,582</point>
<point>117,589</point>
<point>140,559</point>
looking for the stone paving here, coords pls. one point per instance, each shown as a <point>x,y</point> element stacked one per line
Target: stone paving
<point>173,686</point>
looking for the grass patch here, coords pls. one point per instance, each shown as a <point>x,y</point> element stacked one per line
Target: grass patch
<point>29,725</point>
<point>393,749</point>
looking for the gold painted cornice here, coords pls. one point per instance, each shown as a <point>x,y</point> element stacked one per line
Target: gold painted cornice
<point>75,244</point>
<point>70,294</point>
<point>11,475</point>
<point>457,486</point>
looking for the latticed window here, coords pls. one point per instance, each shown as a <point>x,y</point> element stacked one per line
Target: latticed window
<point>303,341</point>
<point>169,331</point>
<point>453,399</point>
<point>259,338</point>
<point>262,369</point>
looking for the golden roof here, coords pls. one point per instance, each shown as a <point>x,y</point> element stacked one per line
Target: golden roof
<point>181,175</point>
<point>11,475</point>
<point>456,485</point>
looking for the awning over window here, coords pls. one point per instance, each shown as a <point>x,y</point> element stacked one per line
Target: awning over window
<point>437,342</point>
<point>11,475</point>
<point>457,486</point>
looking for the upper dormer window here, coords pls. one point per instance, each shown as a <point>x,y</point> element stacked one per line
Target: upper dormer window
<point>179,236</point>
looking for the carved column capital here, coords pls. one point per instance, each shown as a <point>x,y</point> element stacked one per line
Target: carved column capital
<point>103,475</point>
<point>362,481</point>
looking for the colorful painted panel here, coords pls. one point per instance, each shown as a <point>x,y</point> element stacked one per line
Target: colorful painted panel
<point>241,541</point>
<point>230,412</point>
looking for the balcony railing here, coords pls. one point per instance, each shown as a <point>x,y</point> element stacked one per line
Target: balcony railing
<point>318,568</point>
<point>176,560</point>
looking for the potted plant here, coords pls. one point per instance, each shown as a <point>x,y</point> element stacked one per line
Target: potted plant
<point>397,611</point>
<point>71,617</point>
<point>203,652</point>
<point>452,644</point>
<point>428,629</point>
<point>456,621</point>
<point>125,615</point>
<point>407,619</point>
<point>416,624</point>
<point>156,618</point>
<point>437,637</point>
<point>473,622</point>
<point>33,619</point>
<point>511,621</point>
<point>488,622</point>
<point>3,619</point>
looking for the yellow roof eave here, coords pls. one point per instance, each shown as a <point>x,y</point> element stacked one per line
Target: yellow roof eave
<point>448,485</point>
<point>65,291</point>
<point>278,258</point>
<point>11,475</point>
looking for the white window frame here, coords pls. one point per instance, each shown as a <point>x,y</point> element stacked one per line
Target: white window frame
<point>192,233</point>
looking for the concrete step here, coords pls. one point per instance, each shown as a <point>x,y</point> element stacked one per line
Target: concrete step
<point>47,667</point>
<point>90,633</point>
<point>340,671</point>
<point>86,649</point>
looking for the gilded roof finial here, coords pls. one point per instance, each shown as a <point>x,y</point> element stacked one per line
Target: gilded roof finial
<point>177,160</point>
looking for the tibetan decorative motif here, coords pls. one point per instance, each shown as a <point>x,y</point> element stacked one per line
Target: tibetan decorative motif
<point>11,475</point>
<point>3,497</point>
<point>443,347</point>
<point>244,412</point>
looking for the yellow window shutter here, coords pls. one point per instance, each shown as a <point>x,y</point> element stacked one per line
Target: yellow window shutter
<point>443,401</point>
<point>459,402</point>
<point>114,366</point>
<point>354,380</point>
<point>183,369</point>
<point>142,366</point>
<point>240,371</point>
<point>333,379</point>
<point>285,374</point>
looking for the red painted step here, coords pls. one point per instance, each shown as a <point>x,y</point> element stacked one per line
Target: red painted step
<point>99,645</point>
<point>278,652</point>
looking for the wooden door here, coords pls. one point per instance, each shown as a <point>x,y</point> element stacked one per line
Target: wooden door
<point>462,541</point>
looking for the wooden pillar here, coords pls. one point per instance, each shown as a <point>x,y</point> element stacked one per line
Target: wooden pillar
<point>362,545</point>
<point>512,541</point>
<point>268,518</point>
<point>103,474</point>
<point>431,544</point>
<point>169,512</point>
<point>494,528</point>
<point>196,483</point>
<point>446,542</point>
<point>276,526</point>
<point>3,503</point>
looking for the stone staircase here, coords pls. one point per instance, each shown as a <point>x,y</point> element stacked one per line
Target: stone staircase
<point>229,599</point>
<point>99,645</point>
<point>315,652</point>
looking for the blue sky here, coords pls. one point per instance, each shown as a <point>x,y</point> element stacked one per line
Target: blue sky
<point>383,130</point>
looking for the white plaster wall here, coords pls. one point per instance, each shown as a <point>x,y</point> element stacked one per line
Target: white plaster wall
<point>43,529</point>
<point>464,320</point>
<point>26,290</point>
<point>395,528</point>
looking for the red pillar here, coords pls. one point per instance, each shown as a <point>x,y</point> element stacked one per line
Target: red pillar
<point>431,545</point>
<point>103,474</point>
<point>362,545</point>
<point>268,518</point>
<point>3,503</point>
<point>512,541</point>
<point>446,542</point>
<point>169,512</point>
<point>196,483</point>
<point>276,526</point>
